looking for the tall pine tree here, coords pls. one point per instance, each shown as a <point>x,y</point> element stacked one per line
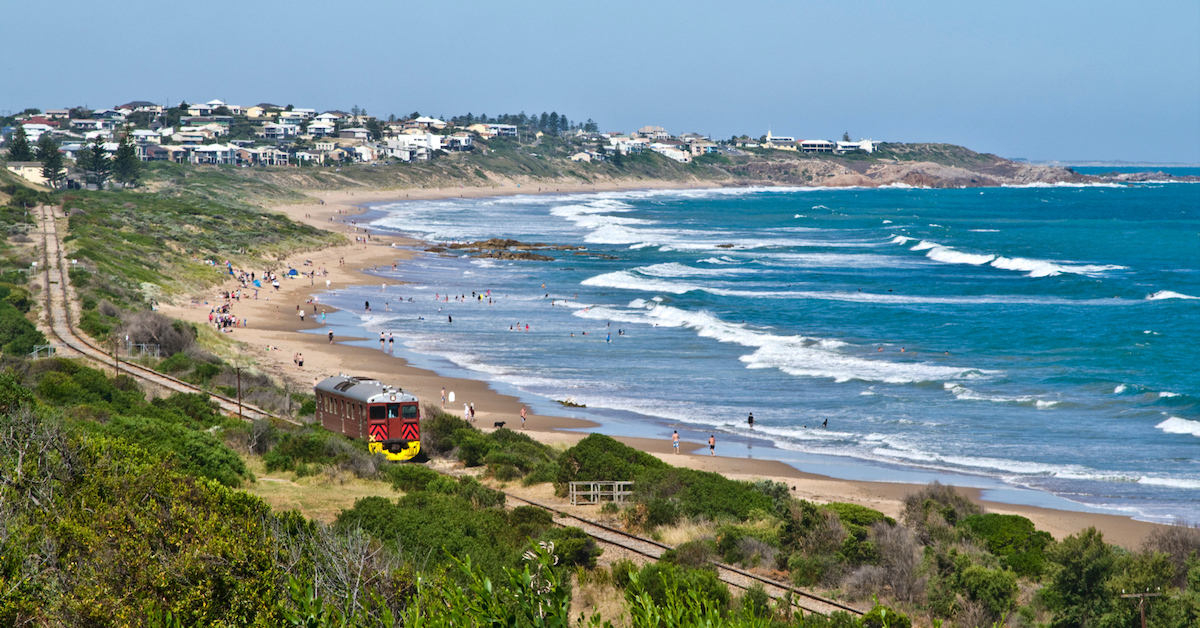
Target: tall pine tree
<point>52,161</point>
<point>99,167</point>
<point>19,149</point>
<point>126,167</point>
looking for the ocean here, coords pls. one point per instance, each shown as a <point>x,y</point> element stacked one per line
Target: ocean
<point>1037,342</point>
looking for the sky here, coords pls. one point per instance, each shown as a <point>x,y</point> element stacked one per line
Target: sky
<point>1044,80</point>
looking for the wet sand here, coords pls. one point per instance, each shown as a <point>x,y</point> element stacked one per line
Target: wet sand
<point>270,341</point>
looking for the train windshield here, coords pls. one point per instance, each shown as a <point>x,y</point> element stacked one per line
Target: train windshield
<point>393,410</point>
<point>410,411</point>
<point>377,412</point>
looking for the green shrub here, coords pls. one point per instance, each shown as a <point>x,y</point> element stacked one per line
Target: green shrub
<point>621,570</point>
<point>600,457</point>
<point>756,602</point>
<point>17,335</point>
<point>411,477</point>
<point>573,546</point>
<point>544,472</point>
<point>883,617</point>
<point>177,363</point>
<point>809,571</point>
<point>858,515</point>
<point>530,522</point>
<point>1014,538</point>
<point>438,430</point>
<point>662,579</point>
<point>995,589</point>
<point>697,554</point>
<point>700,493</point>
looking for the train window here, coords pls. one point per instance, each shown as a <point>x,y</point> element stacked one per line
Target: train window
<point>378,412</point>
<point>393,410</point>
<point>409,411</point>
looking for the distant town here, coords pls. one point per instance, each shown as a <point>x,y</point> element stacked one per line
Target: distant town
<point>267,134</point>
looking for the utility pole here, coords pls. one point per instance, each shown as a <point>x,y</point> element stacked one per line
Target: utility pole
<point>116,359</point>
<point>239,384</point>
<point>1141,601</point>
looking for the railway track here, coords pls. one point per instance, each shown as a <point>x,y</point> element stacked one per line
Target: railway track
<point>728,574</point>
<point>59,314</point>
<point>60,319</point>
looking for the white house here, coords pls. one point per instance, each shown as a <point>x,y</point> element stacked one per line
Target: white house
<point>583,156</point>
<point>321,128</point>
<point>33,132</point>
<point>425,122</point>
<point>355,133</point>
<point>670,152</point>
<point>146,136</point>
<point>863,145</point>
<point>279,131</point>
<point>817,146</point>
<point>28,170</point>
<point>214,154</point>
<point>502,130</point>
<point>459,142</point>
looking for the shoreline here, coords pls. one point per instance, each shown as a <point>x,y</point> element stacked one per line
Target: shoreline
<point>271,338</point>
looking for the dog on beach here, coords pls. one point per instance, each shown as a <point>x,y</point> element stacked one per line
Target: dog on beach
<point>500,424</point>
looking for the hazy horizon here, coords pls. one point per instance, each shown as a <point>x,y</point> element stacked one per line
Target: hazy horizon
<point>1095,81</point>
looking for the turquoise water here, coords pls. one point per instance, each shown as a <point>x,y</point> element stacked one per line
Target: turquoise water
<point>1043,338</point>
<point>1179,171</point>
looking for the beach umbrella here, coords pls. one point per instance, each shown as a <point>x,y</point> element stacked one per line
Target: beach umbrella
<point>257,283</point>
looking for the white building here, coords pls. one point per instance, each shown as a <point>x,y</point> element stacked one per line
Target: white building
<point>817,146</point>
<point>863,145</point>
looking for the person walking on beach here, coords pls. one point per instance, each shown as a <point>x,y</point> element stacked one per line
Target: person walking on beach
<point>675,441</point>
<point>391,341</point>
<point>443,396</point>
<point>367,305</point>
<point>522,417</point>
<point>331,336</point>
<point>712,445</point>
<point>751,420</point>
<point>381,341</point>
<point>472,413</point>
<point>467,411</point>
<point>301,316</point>
<point>299,360</point>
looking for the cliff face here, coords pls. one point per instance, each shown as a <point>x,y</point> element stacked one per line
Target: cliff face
<point>918,165</point>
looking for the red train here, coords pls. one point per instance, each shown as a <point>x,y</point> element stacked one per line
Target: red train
<point>385,416</point>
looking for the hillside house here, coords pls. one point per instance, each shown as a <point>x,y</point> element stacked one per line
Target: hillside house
<point>141,106</point>
<point>321,129</point>
<point>867,146</point>
<point>502,130</point>
<point>355,133</point>
<point>29,170</point>
<point>459,142</point>
<point>276,131</point>
<point>817,146</point>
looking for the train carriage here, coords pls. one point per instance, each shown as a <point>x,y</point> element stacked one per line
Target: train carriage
<point>385,416</point>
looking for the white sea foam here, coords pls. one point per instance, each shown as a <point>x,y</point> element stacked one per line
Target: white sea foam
<point>626,280</point>
<point>986,230</point>
<point>901,239</point>
<point>675,269</point>
<point>1164,394</point>
<point>1167,294</point>
<point>966,394</point>
<point>795,355</point>
<point>1033,267</point>
<point>1042,403</point>
<point>1044,268</point>
<point>1120,389</point>
<point>1176,425</point>
<point>887,222</point>
<point>951,256</point>
<point>724,259</point>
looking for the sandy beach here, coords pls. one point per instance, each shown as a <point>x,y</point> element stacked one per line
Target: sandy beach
<point>270,341</point>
